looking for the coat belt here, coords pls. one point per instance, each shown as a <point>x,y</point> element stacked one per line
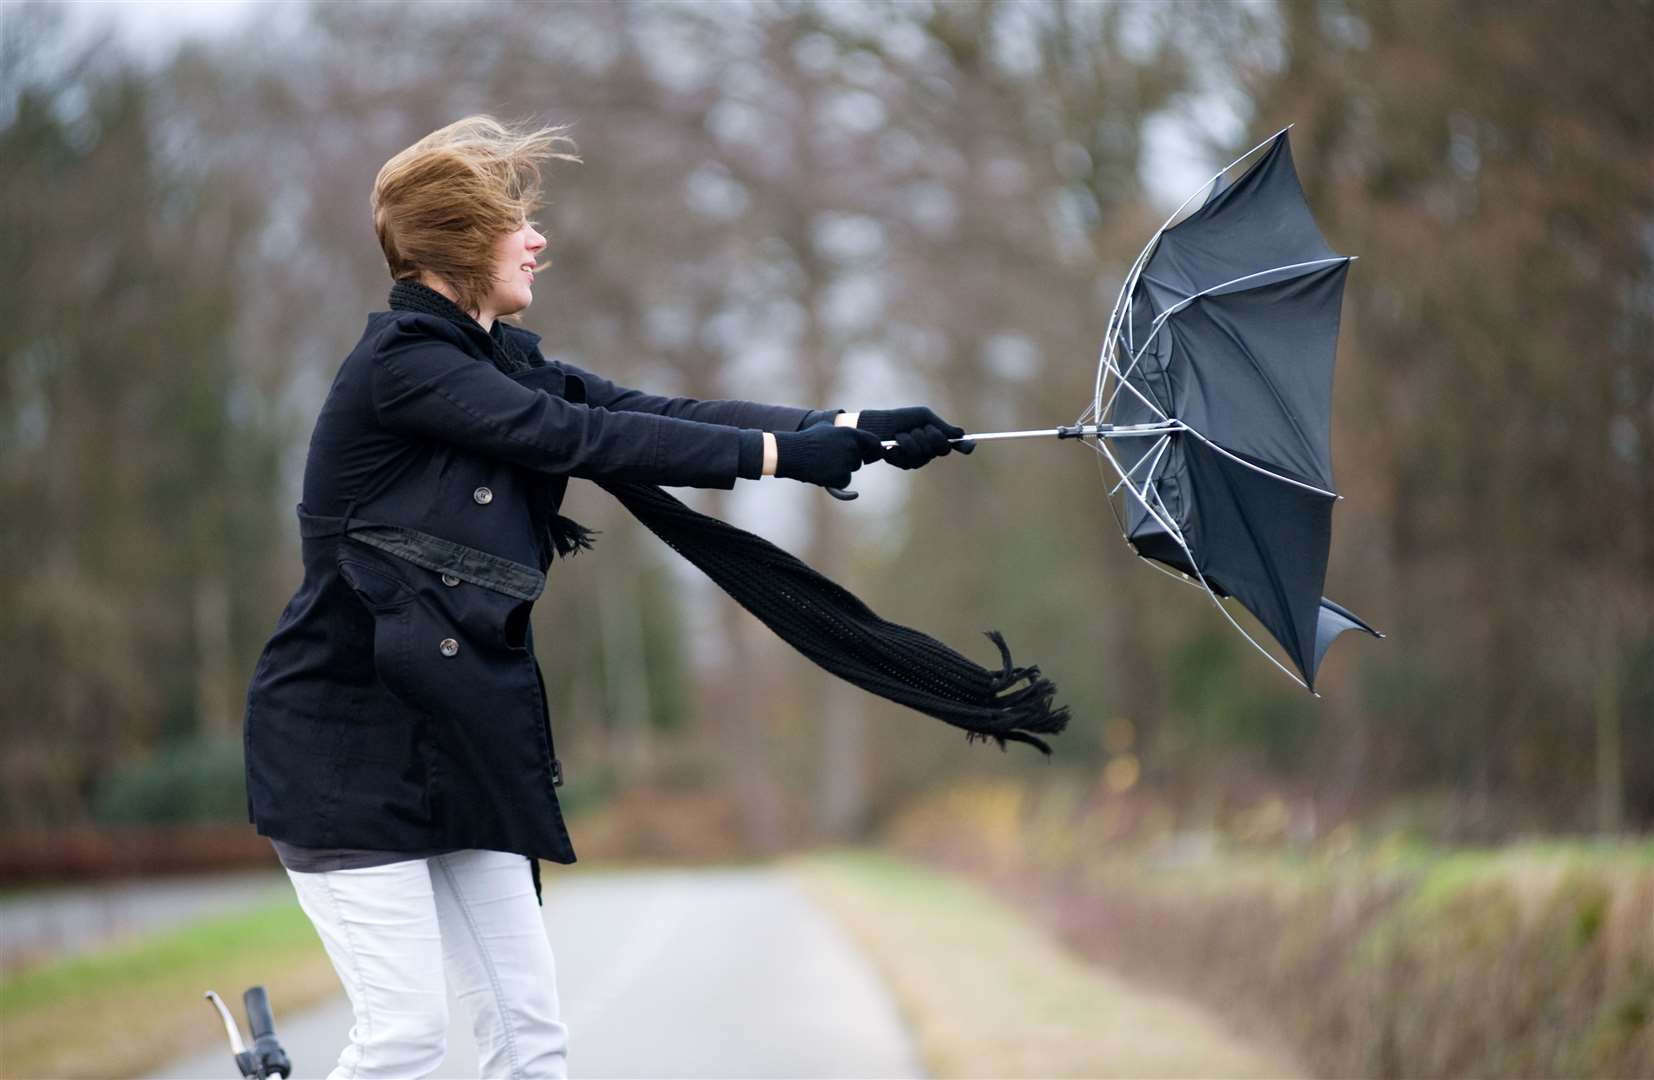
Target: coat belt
<point>432,552</point>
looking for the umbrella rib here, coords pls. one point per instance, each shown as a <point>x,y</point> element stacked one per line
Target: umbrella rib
<point>1192,297</point>
<point>1112,509</point>
<point>1269,655</point>
<point>1162,522</point>
<point>1110,332</point>
<point>1160,320</point>
<point>1274,391</point>
<point>1259,468</point>
<point>1107,364</point>
<point>1215,176</point>
<point>1122,377</point>
<point>1177,534</point>
<point>1204,584</point>
<point>1121,381</point>
<point>1181,579</point>
<point>1153,451</point>
<point>1165,444</point>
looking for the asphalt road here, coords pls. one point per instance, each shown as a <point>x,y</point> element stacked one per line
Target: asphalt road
<point>672,973</point>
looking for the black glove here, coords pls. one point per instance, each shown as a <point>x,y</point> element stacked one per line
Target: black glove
<point>920,434</point>
<point>824,454</point>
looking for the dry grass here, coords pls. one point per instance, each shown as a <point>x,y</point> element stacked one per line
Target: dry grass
<point>989,995</point>
<point>655,825</point>
<point>1381,959</point>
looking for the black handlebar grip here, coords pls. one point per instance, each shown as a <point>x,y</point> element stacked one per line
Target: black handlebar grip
<point>842,494</point>
<point>259,1021</point>
<point>267,1052</point>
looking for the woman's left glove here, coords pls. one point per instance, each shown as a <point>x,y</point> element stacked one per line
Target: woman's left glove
<point>920,435</point>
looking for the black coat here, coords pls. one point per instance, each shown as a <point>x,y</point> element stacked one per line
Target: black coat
<point>399,704</point>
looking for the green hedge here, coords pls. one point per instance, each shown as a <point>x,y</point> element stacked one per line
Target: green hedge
<point>195,780</point>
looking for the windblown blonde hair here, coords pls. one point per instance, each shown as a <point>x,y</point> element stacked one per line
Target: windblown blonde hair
<point>442,204</point>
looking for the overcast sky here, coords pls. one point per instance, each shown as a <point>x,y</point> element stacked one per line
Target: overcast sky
<point>155,27</point>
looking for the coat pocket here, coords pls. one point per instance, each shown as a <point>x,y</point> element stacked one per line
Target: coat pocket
<point>388,597</point>
<point>451,622</point>
<point>448,646</point>
<point>376,586</point>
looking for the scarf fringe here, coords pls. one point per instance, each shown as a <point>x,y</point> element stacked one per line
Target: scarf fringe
<point>570,537</point>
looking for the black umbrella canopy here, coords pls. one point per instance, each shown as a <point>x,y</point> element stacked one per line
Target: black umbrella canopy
<point>1230,334</point>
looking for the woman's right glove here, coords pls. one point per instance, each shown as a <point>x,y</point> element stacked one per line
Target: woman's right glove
<point>919,434</point>
<point>824,454</point>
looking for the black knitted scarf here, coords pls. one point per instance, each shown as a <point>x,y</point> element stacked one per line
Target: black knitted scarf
<point>814,615</point>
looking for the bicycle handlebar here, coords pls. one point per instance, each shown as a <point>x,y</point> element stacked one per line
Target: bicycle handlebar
<point>266,1057</point>
<point>262,1025</point>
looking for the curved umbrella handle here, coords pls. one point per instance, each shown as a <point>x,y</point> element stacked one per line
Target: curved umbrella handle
<point>846,495</point>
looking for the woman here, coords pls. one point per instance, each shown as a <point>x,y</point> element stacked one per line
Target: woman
<point>398,744</point>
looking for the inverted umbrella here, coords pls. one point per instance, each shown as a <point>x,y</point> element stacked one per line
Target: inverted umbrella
<point>1212,405</point>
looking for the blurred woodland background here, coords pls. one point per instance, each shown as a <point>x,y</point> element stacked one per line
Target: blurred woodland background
<point>862,205</point>
<point>1442,867</point>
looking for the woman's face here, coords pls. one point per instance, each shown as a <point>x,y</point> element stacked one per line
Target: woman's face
<point>515,264</point>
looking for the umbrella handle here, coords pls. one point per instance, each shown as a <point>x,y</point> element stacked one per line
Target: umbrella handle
<point>1076,432</point>
<point>846,495</point>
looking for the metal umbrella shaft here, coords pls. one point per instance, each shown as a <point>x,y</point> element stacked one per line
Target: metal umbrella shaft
<point>1077,431</point>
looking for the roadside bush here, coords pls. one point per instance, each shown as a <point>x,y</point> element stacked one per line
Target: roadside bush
<point>195,780</point>
<point>1381,960</point>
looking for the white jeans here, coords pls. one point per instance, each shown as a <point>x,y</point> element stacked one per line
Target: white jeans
<point>389,929</point>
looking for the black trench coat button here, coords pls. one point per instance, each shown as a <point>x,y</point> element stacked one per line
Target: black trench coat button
<point>449,647</point>
<point>450,580</point>
<point>483,496</point>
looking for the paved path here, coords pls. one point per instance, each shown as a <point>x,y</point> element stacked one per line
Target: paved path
<point>673,973</point>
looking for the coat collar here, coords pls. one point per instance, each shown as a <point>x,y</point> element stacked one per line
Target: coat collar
<point>511,348</point>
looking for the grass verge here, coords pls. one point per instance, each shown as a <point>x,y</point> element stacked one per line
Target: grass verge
<point>986,994</point>
<point>1382,958</point>
<point>123,1011</point>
